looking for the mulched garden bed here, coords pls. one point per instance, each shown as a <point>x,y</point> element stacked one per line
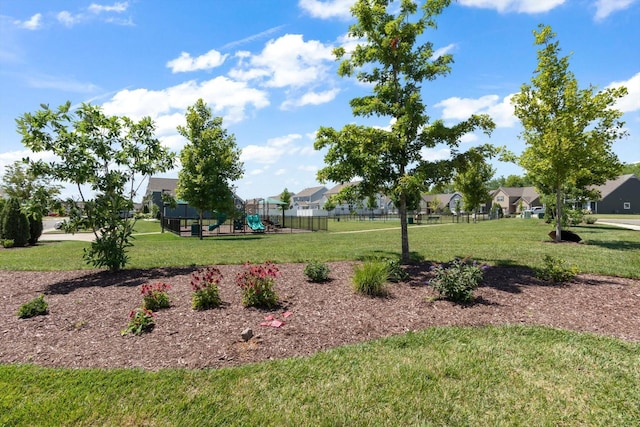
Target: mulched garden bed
<point>88,309</point>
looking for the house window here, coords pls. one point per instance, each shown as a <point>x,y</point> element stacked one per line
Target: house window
<point>500,199</point>
<point>627,205</point>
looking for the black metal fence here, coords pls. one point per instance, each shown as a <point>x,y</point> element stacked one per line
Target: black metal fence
<point>311,223</point>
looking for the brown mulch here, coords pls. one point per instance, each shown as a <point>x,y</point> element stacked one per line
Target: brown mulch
<point>88,309</point>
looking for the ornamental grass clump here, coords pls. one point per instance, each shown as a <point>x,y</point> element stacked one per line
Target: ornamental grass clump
<point>371,278</point>
<point>140,320</point>
<point>257,284</point>
<point>204,283</point>
<point>458,279</point>
<point>155,297</point>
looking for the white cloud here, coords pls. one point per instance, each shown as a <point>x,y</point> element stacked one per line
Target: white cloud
<point>42,81</point>
<point>327,9</point>
<point>443,51</point>
<point>185,62</point>
<point>432,154</point>
<point>274,149</point>
<point>68,19</point>
<point>501,111</point>
<point>287,61</point>
<point>631,102</point>
<point>225,97</point>
<point>34,23</point>
<point>308,168</point>
<point>252,37</point>
<point>311,98</point>
<point>605,8</point>
<point>117,7</point>
<point>519,6</point>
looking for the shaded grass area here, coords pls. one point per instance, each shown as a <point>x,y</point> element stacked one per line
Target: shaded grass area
<point>508,375</point>
<point>606,250</point>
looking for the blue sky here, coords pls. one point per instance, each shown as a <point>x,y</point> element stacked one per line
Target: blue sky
<point>266,67</point>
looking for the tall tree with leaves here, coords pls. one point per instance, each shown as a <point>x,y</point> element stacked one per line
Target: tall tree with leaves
<point>390,59</point>
<point>109,154</point>
<point>210,163</point>
<point>568,131</point>
<point>473,183</point>
<point>285,198</point>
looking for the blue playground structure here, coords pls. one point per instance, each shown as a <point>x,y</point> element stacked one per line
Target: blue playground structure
<point>222,217</point>
<point>254,223</point>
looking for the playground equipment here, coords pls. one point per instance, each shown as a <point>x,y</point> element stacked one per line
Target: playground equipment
<point>254,223</point>
<point>222,217</point>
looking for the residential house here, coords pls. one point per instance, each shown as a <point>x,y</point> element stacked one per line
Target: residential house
<point>617,196</point>
<point>437,203</point>
<point>309,198</point>
<point>514,200</point>
<point>382,204</point>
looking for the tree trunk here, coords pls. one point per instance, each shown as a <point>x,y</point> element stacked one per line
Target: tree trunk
<point>200,225</point>
<point>558,214</point>
<point>403,228</point>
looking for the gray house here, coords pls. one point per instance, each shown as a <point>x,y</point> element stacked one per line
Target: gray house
<point>617,196</point>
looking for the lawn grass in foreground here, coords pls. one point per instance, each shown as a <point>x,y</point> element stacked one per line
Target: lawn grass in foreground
<point>507,375</point>
<point>606,250</point>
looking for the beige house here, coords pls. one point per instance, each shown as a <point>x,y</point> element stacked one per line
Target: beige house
<point>514,200</point>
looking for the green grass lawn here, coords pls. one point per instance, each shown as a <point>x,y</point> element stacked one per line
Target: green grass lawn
<point>506,375</point>
<point>440,376</point>
<point>606,250</point>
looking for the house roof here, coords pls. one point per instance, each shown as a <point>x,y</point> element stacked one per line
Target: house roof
<point>307,192</point>
<point>336,189</point>
<point>613,184</point>
<point>444,198</point>
<point>527,194</point>
<point>160,184</point>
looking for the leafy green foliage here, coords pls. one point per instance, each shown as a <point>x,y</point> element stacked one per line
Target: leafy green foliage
<point>204,284</point>
<point>257,285</point>
<point>555,270</point>
<point>36,307</point>
<point>370,278</point>
<point>141,320</point>
<point>15,224</point>
<point>109,154</point>
<point>473,182</point>
<point>35,229</point>
<point>457,280</point>
<point>7,243</point>
<point>395,271</point>
<point>317,271</point>
<point>210,162</point>
<point>389,59</point>
<point>569,132</point>
<point>155,296</point>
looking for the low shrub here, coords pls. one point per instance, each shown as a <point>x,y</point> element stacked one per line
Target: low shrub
<point>204,283</point>
<point>458,279</point>
<point>590,219</point>
<point>395,271</point>
<point>317,271</point>
<point>257,284</point>
<point>155,297</point>
<point>555,270</point>
<point>8,243</point>
<point>140,320</point>
<point>371,278</point>
<point>36,307</point>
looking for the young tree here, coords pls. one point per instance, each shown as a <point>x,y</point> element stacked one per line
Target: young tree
<point>390,60</point>
<point>111,155</point>
<point>210,162</point>
<point>285,198</point>
<point>473,184</point>
<point>36,195</point>
<point>568,131</point>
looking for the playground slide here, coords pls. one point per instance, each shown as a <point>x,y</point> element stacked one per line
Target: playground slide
<point>221,219</point>
<point>254,223</point>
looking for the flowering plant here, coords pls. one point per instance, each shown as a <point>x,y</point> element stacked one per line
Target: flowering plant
<point>458,279</point>
<point>155,297</point>
<point>204,283</point>
<point>257,283</point>
<point>140,320</point>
